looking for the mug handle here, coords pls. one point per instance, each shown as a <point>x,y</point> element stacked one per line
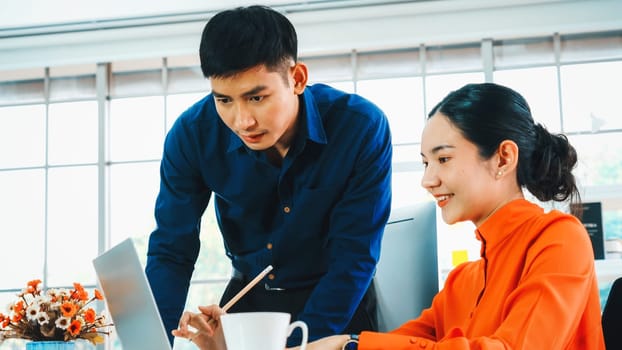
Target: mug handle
<point>303,328</point>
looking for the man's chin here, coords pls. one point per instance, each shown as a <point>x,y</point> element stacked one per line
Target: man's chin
<point>257,146</point>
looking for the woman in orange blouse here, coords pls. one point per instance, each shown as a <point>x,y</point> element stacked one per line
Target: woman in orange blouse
<point>534,286</point>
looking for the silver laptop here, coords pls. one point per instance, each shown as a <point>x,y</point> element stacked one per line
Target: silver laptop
<point>130,302</point>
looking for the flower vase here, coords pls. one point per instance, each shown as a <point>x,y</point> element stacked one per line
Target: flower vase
<point>50,345</point>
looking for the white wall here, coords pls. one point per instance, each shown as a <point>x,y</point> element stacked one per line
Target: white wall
<point>150,32</point>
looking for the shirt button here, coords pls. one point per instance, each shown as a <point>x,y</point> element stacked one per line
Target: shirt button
<point>286,210</point>
<point>413,340</point>
<point>269,245</point>
<point>271,276</point>
<point>423,344</point>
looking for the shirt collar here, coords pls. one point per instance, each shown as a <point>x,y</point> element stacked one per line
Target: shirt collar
<point>505,221</point>
<point>314,126</point>
<point>311,127</point>
<point>234,141</point>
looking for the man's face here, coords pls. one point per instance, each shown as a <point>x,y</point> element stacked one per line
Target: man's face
<point>260,106</point>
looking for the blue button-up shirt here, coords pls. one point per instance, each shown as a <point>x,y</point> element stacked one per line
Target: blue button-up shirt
<point>317,219</point>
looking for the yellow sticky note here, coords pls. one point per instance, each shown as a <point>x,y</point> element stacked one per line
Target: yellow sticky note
<point>458,257</point>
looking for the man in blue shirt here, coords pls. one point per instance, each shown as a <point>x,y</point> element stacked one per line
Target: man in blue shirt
<point>300,176</point>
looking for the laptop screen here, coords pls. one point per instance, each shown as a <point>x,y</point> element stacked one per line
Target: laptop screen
<point>130,302</point>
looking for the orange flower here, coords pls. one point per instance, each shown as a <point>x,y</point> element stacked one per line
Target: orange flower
<point>79,292</point>
<point>98,295</point>
<point>68,309</point>
<point>83,295</point>
<point>6,322</point>
<point>18,307</point>
<point>89,315</point>
<point>17,318</point>
<point>75,327</point>
<point>32,286</point>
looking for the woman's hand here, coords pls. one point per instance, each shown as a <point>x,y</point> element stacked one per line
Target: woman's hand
<point>334,342</point>
<point>208,334</point>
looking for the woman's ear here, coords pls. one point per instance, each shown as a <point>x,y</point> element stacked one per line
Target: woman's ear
<point>300,77</point>
<point>507,153</point>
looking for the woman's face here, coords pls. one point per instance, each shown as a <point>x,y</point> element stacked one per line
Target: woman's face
<point>462,183</point>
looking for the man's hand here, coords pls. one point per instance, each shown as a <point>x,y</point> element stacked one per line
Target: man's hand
<point>208,334</point>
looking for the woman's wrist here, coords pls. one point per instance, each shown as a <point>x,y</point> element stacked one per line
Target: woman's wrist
<point>352,342</point>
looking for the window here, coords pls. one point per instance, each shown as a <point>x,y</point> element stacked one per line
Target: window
<point>590,96</point>
<point>22,86</point>
<point>539,87</point>
<point>72,82</point>
<point>71,225</point>
<point>177,104</point>
<point>328,69</point>
<point>72,133</point>
<point>22,128</point>
<point>520,53</point>
<point>401,99</point>
<point>55,185</point>
<point>185,75</point>
<point>136,128</point>
<point>438,86</point>
<point>22,218</point>
<point>453,59</point>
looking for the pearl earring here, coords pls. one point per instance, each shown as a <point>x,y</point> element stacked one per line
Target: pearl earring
<point>499,173</point>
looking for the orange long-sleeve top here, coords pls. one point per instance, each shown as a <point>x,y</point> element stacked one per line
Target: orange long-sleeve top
<point>534,287</point>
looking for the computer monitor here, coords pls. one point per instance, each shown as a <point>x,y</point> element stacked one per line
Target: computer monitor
<point>407,274</point>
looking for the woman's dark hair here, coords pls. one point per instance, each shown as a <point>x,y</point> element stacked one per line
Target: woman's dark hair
<point>487,114</point>
<point>244,37</point>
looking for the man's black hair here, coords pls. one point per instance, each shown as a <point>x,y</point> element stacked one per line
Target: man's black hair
<point>238,39</point>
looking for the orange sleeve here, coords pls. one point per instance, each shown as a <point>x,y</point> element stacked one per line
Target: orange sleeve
<point>385,341</point>
<point>423,326</point>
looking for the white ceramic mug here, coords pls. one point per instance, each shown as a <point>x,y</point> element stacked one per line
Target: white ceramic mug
<point>260,330</point>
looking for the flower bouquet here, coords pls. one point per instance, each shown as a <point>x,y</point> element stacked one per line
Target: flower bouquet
<point>55,315</point>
